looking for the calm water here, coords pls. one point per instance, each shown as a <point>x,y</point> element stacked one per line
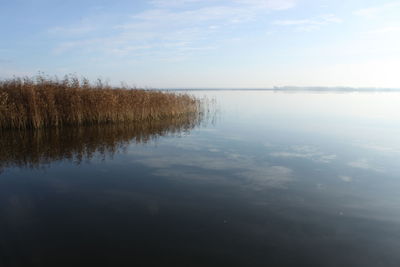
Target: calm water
<point>273,179</point>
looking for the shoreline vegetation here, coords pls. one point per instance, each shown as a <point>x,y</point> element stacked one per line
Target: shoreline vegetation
<point>43,102</point>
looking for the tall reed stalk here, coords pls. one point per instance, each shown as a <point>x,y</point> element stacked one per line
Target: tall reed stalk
<point>40,102</point>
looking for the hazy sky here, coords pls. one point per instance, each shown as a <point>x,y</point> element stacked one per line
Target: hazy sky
<point>205,43</point>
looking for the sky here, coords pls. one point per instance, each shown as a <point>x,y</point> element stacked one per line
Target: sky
<point>205,43</point>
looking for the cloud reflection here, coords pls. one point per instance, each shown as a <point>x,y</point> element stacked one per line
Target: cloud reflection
<point>306,152</point>
<point>200,163</point>
<point>345,178</point>
<point>365,165</point>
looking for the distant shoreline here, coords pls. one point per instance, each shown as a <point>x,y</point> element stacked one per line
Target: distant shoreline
<point>293,89</point>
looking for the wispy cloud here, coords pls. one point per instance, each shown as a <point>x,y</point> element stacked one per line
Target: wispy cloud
<point>270,4</point>
<point>375,11</point>
<point>72,30</point>
<point>386,30</point>
<point>181,27</point>
<point>174,3</point>
<point>68,45</point>
<point>309,24</point>
<point>265,4</point>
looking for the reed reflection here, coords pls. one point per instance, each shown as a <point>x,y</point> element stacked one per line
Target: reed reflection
<point>33,149</point>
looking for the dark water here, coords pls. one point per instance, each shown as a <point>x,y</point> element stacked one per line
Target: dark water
<point>276,179</point>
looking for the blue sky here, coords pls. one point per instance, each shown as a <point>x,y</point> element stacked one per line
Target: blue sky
<point>205,43</point>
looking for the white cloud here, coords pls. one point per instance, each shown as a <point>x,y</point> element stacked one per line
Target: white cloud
<point>330,18</point>
<point>171,18</point>
<point>73,30</point>
<point>296,22</point>
<point>264,4</point>
<point>121,51</point>
<point>174,3</point>
<point>309,24</point>
<point>373,12</point>
<point>68,45</point>
<point>183,27</point>
<point>269,4</point>
<point>386,30</point>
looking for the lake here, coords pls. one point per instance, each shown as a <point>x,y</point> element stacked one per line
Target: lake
<point>264,179</point>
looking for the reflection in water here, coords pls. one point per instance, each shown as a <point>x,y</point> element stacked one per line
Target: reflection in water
<point>262,187</point>
<point>36,148</point>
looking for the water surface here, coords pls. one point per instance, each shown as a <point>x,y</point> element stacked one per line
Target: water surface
<point>274,179</point>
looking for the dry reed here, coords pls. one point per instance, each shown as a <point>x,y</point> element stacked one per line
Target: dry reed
<point>39,102</point>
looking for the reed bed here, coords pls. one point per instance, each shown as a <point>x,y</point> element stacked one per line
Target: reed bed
<point>40,102</point>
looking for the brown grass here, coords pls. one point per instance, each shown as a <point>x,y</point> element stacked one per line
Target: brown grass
<point>33,103</point>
